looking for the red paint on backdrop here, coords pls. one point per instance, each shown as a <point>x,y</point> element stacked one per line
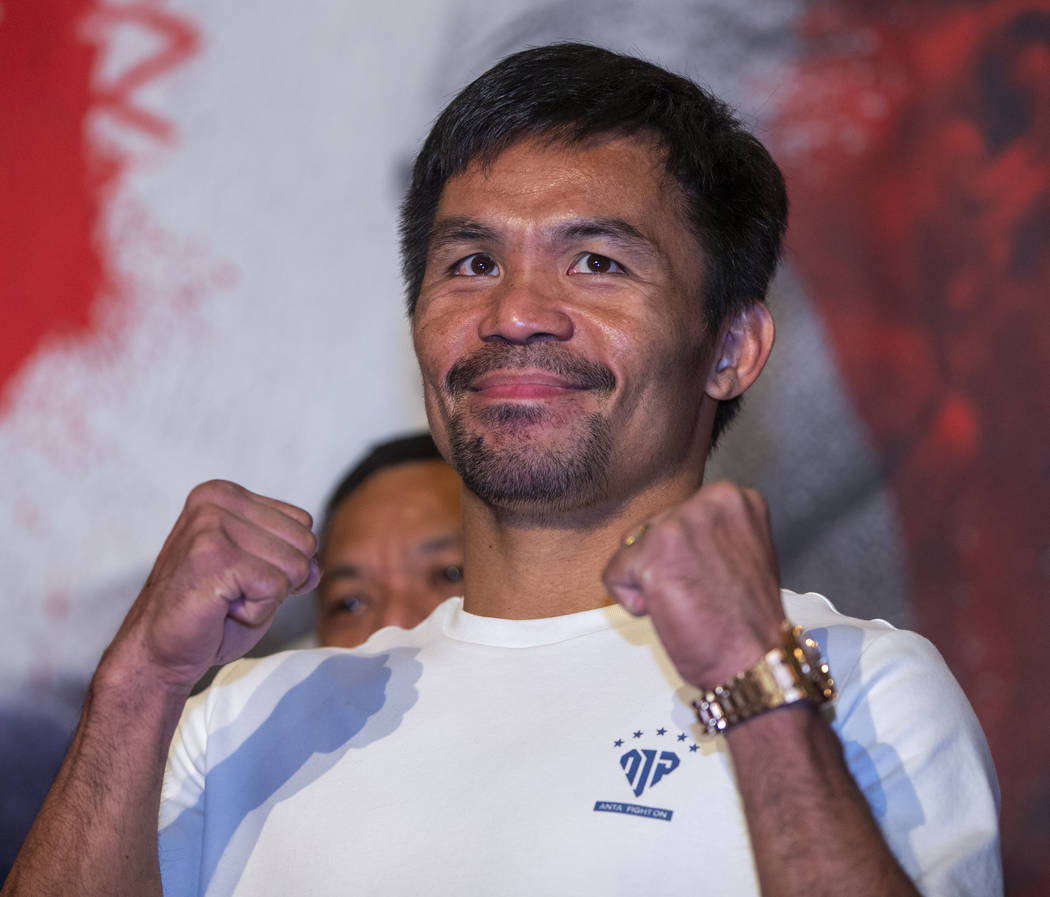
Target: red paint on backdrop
<point>179,43</point>
<point>917,142</point>
<point>54,182</point>
<point>52,270</point>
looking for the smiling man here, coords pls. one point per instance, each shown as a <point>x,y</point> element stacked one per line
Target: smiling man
<point>624,701</point>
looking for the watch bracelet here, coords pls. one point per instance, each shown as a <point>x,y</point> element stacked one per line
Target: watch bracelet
<point>783,675</point>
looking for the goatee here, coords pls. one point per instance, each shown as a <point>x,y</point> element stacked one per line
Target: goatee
<point>511,468</point>
<point>522,475</point>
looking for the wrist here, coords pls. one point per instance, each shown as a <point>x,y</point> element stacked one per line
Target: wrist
<point>792,672</point>
<point>119,681</point>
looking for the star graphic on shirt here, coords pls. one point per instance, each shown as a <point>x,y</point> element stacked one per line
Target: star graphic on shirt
<point>693,748</point>
<point>661,731</point>
<point>618,742</point>
<point>638,734</point>
<point>681,736</point>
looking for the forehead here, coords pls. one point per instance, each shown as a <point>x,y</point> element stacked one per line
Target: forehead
<point>536,182</point>
<point>397,502</point>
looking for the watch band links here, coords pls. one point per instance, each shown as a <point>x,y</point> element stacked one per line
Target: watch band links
<point>791,672</point>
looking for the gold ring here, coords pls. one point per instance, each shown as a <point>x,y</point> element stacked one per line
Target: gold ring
<point>635,536</point>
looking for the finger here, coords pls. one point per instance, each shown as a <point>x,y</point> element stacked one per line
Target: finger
<point>243,501</point>
<point>282,526</point>
<point>303,518</point>
<point>221,497</point>
<point>623,574</point>
<point>254,589</point>
<point>298,567</point>
<point>313,580</point>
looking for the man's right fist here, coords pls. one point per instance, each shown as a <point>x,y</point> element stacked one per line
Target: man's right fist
<point>228,563</point>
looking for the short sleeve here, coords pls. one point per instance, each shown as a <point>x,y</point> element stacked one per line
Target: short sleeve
<point>182,803</point>
<point>918,753</point>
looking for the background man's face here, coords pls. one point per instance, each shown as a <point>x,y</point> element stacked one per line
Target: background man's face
<point>559,327</point>
<point>393,553</point>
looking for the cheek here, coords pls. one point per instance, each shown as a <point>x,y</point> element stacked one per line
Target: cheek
<point>437,342</point>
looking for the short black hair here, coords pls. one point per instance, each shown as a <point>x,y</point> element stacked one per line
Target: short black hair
<point>400,450</point>
<point>733,193</point>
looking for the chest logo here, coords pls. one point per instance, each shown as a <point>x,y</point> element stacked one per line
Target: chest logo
<point>644,768</point>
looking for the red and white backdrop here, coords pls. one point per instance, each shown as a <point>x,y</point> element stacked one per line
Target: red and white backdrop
<point>198,278</point>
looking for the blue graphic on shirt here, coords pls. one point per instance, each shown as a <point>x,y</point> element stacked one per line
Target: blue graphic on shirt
<point>347,700</point>
<point>615,806</point>
<point>644,770</point>
<point>876,765</point>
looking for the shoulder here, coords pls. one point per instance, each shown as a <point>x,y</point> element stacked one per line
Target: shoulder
<point>914,747</point>
<point>894,686</point>
<point>863,649</point>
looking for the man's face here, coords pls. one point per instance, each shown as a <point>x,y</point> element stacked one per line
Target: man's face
<point>559,327</point>
<point>394,551</point>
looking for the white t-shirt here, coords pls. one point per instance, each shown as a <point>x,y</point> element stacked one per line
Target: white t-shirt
<point>474,755</point>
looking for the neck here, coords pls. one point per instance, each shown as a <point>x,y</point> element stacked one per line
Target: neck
<point>530,564</point>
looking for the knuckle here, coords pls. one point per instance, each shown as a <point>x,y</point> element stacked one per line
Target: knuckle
<point>265,582</point>
<point>665,536</point>
<point>298,570</point>
<point>727,494</point>
<point>208,520</point>
<point>281,582</point>
<point>757,501</point>
<point>310,544</point>
<point>211,492</point>
<point>209,547</point>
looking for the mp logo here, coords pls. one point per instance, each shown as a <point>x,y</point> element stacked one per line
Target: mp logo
<point>644,769</point>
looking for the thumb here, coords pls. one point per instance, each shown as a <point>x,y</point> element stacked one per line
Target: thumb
<point>623,579</point>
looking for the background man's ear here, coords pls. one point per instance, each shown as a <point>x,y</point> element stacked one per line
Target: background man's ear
<point>745,345</point>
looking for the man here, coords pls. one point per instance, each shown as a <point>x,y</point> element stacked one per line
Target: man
<point>391,544</point>
<point>587,242</point>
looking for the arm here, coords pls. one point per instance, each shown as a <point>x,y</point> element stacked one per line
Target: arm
<point>230,560</point>
<point>705,571</point>
<point>96,832</point>
<point>811,829</point>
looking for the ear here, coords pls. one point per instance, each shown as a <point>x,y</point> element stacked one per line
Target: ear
<point>744,348</point>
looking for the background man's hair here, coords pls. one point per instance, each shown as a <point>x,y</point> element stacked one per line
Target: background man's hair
<point>392,452</point>
<point>732,192</point>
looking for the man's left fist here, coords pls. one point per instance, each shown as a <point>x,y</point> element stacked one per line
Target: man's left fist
<point>706,572</point>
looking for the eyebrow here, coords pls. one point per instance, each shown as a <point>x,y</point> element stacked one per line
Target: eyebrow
<point>615,230</point>
<point>342,571</point>
<point>439,543</point>
<point>460,229</point>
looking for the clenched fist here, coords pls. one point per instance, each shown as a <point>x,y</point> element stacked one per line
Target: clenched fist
<point>230,560</point>
<point>706,573</point>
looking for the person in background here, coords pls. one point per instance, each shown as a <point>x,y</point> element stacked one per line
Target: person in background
<point>391,542</point>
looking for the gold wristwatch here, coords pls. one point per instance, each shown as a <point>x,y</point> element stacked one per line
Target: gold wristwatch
<point>792,671</point>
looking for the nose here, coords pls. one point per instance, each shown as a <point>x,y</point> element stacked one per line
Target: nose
<point>524,309</point>
<point>403,607</point>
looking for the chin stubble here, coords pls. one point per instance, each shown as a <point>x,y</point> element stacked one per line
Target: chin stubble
<point>518,472</point>
<point>521,474</point>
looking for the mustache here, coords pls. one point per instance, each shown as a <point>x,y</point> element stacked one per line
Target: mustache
<point>581,373</point>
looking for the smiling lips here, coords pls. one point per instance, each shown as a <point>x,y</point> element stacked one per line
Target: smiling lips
<point>523,384</point>
<point>534,371</point>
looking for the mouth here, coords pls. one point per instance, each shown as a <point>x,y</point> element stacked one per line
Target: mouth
<point>536,371</point>
<point>527,384</point>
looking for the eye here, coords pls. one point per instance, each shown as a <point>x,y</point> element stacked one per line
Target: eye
<point>352,604</point>
<point>593,263</point>
<point>451,573</point>
<point>477,265</point>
